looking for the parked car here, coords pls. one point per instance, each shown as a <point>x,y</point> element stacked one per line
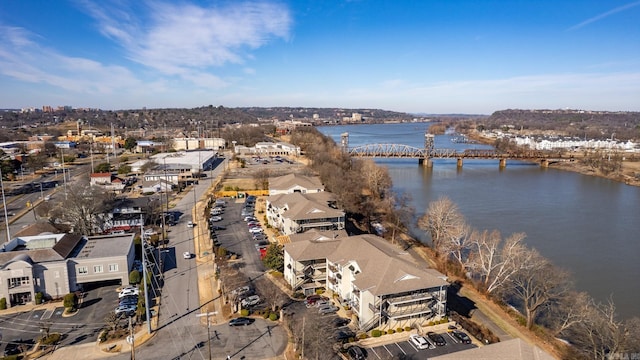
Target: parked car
<point>190,224</point>
<point>241,290</point>
<point>217,227</point>
<point>356,353</point>
<point>250,218</point>
<point>256,230</point>
<point>312,299</point>
<point>344,335</point>
<point>127,291</point>
<point>241,321</point>
<point>340,321</point>
<point>259,237</point>
<point>215,218</point>
<point>328,310</point>
<point>463,337</point>
<point>128,300</point>
<point>221,202</point>
<point>186,255</point>
<point>129,310</point>
<point>250,301</point>
<point>436,338</point>
<point>419,341</point>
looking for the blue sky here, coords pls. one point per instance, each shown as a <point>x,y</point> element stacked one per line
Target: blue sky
<point>432,56</point>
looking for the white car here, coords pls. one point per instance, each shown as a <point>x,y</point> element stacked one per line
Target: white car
<point>256,230</point>
<point>190,224</point>
<point>215,218</point>
<point>250,301</point>
<point>419,341</point>
<point>186,255</point>
<point>128,291</point>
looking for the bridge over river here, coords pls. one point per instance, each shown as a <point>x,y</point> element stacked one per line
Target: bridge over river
<point>429,152</point>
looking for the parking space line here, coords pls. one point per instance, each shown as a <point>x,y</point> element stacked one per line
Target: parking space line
<point>401,349</point>
<point>47,314</point>
<point>455,340</point>
<point>375,353</point>
<point>385,347</point>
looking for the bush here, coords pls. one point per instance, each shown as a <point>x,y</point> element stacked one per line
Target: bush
<point>407,328</point>
<point>376,333</point>
<point>298,295</point>
<point>431,323</point>
<point>273,316</point>
<point>3,304</point>
<point>399,330</point>
<point>51,339</point>
<point>391,331</point>
<point>244,312</point>
<point>39,297</point>
<point>135,277</point>
<point>70,301</point>
<point>362,336</point>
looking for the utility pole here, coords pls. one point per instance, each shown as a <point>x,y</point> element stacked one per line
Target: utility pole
<point>208,328</point>
<point>144,275</point>
<point>64,176</point>
<point>4,205</point>
<point>131,340</point>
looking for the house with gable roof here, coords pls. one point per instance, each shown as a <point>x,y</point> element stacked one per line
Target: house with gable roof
<point>297,212</point>
<point>379,281</point>
<point>292,183</point>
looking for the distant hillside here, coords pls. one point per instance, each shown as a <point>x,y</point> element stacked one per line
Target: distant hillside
<point>286,113</point>
<point>590,124</point>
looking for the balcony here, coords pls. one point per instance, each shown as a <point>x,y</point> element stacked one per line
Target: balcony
<point>412,298</point>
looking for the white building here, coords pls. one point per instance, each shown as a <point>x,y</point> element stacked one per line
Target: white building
<point>198,143</point>
<point>292,183</point>
<point>380,282</point>
<point>298,212</point>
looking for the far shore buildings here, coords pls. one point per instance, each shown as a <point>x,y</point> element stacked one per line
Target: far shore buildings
<point>57,264</point>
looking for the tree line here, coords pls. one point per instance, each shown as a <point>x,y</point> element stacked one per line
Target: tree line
<point>509,272</point>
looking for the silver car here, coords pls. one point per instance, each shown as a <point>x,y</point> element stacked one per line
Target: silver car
<point>330,309</point>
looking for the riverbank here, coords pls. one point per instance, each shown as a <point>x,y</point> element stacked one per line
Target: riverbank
<point>629,174</point>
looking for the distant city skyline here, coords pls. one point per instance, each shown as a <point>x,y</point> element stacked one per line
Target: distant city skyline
<point>418,57</point>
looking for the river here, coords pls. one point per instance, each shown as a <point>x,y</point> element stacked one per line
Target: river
<point>587,225</point>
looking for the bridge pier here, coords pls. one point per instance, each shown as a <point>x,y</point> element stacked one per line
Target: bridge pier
<point>459,163</point>
<point>544,163</point>
<point>503,163</point>
<point>428,163</point>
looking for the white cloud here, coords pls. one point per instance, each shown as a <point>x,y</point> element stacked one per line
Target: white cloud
<point>187,40</point>
<point>25,60</point>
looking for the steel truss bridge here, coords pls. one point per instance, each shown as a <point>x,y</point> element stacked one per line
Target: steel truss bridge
<point>430,152</point>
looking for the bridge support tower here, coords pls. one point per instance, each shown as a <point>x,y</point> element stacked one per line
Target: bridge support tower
<point>459,163</point>
<point>544,163</point>
<point>344,142</point>
<point>428,150</point>
<point>503,163</point>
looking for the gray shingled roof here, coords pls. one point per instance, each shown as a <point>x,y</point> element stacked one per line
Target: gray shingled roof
<point>514,349</point>
<point>318,235</point>
<point>385,268</point>
<point>288,181</point>
<point>60,251</point>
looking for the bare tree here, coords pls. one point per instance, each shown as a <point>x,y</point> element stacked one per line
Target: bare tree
<point>376,178</point>
<point>443,221</point>
<point>599,333</point>
<point>459,247</point>
<point>494,262</point>
<point>567,311</point>
<point>536,284</point>
<point>400,213</point>
<point>261,179</point>
<point>274,296</point>
<point>83,207</point>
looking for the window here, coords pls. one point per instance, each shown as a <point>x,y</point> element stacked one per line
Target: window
<point>83,270</point>
<point>18,281</point>
<point>113,267</point>
<point>97,268</point>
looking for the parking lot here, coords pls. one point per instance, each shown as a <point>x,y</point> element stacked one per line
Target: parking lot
<point>406,350</point>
